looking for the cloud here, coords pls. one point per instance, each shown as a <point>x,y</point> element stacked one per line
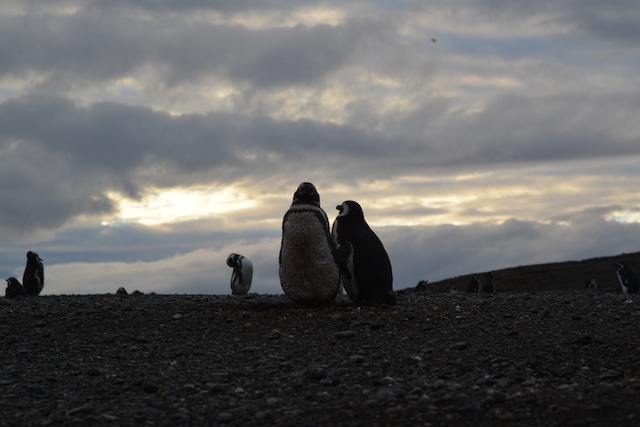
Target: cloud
<point>504,133</point>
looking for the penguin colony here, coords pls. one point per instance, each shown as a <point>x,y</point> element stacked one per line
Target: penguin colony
<point>32,279</point>
<point>242,274</point>
<point>308,269</point>
<point>314,262</point>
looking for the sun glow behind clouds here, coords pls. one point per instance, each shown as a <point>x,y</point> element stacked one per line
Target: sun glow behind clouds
<point>179,204</point>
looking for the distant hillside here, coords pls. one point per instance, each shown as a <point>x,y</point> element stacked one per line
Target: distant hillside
<point>568,275</point>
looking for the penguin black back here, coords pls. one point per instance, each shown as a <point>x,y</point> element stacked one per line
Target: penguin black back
<point>371,264</point>
<point>33,277</point>
<point>14,289</point>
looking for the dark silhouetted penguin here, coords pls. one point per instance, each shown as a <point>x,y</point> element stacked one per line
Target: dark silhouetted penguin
<point>371,279</point>
<point>474,285</point>
<point>628,279</point>
<point>14,289</point>
<point>33,277</point>
<point>242,274</point>
<point>488,286</point>
<point>308,270</point>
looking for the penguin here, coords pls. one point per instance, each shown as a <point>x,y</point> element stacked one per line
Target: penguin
<point>474,285</point>
<point>308,267</point>
<point>591,285</point>
<point>33,277</point>
<point>242,274</point>
<point>369,267</point>
<point>14,289</point>
<point>628,279</point>
<point>488,286</point>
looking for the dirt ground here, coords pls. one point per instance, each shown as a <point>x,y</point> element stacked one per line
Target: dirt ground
<point>437,358</point>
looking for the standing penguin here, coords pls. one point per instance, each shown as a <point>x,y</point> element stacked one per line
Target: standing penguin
<point>33,277</point>
<point>474,285</point>
<point>628,280</point>
<point>371,280</point>
<point>489,285</point>
<point>308,270</point>
<point>14,289</point>
<point>242,274</point>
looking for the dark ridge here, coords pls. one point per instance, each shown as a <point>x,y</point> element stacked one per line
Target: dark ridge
<point>557,276</point>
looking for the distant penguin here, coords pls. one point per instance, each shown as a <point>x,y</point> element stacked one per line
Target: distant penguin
<point>591,285</point>
<point>474,285</point>
<point>14,289</point>
<point>488,286</point>
<point>242,274</point>
<point>371,280</point>
<point>422,286</point>
<point>33,277</point>
<point>628,279</point>
<point>309,272</point>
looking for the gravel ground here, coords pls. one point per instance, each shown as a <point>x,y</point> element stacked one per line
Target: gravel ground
<point>434,359</point>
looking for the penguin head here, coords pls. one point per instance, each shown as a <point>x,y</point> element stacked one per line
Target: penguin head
<point>32,256</point>
<point>307,193</point>
<point>351,210</point>
<point>232,260</point>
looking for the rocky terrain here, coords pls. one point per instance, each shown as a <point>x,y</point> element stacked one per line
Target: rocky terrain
<point>548,357</point>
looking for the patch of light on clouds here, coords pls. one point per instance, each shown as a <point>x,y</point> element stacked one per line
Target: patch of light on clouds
<point>625,216</point>
<point>310,16</point>
<point>179,204</point>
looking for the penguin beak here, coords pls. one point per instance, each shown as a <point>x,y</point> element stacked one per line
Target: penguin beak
<point>339,207</point>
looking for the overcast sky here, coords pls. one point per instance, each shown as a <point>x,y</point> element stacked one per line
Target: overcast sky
<point>143,141</point>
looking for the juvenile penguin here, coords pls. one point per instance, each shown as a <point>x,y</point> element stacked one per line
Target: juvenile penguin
<point>33,277</point>
<point>628,280</point>
<point>308,270</point>
<point>371,280</point>
<point>242,274</point>
<point>14,289</point>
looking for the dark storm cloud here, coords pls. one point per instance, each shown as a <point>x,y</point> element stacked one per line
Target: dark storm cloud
<point>90,46</point>
<point>60,160</point>
<point>519,128</point>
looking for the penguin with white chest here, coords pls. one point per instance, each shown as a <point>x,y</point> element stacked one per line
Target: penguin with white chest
<point>628,280</point>
<point>242,274</point>
<point>33,277</point>
<point>371,280</point>
<point>308,270</point>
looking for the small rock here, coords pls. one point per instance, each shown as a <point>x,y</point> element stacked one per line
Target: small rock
<point>460,345</point>
<point>344,334</point>
<point>149,388</point>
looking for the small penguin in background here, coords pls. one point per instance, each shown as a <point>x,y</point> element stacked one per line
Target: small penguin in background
<point>474,285</point>
<point>14,289</point>
<point>242,274</point>
<point>591,285</point>
<point>488,286</point>
<point>371,277</point>
<point>628,280</point>
<point>33,277</point>
<point>308,269</point>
